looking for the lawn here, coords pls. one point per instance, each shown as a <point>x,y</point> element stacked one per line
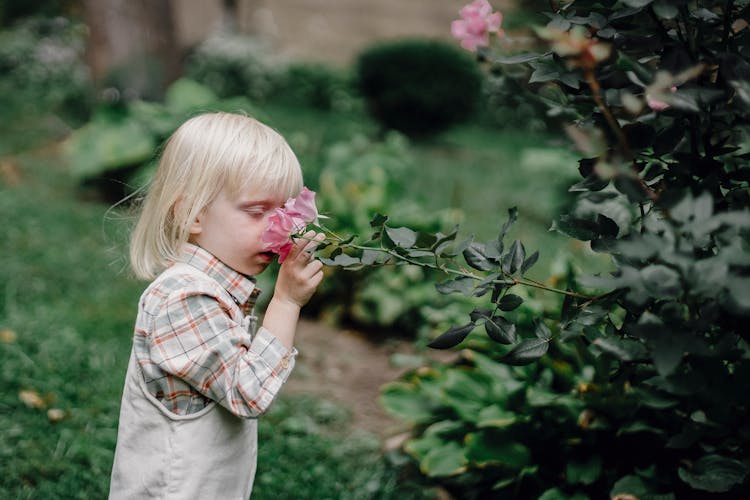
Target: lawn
<point>67,307</point>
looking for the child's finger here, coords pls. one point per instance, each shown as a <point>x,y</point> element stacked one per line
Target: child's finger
<point>311,269</point>
<point>308,243</point>
<point>299,245</point>
<point>313,243</point>
<point>304,246</point>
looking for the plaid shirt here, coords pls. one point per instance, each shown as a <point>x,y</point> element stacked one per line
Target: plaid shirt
<point>195,340</point>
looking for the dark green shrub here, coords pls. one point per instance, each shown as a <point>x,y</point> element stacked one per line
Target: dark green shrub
<point>13,10</point>
<point>316,86</point>
<point>418,86</point>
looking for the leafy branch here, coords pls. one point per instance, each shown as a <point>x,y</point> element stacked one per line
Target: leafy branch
<point>475,269</point>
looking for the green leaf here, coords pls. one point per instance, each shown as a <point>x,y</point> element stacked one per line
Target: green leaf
<point>370,257</point>
<point>652,399</point>
<point>446,460</point>
<point>622,349</point>
<point>493,249</point>
<point>447,428</point>
<point>500,330</point>
<point>666,351</point>
<point>541,330</point>
<point>637,3</point>
<point>406,401</point>
<point>443,241</point>
<point>517,59</point>
<point>665,9</point>
<point>527,351</point>
<point>378,220</point>
<point>626,63</point>
<point>104,145</point>
<point>461,284</point>
<point>509,302</point>
<point>630,187</point>
<point>739,293</point>
<point>705,15</point>
<point>452,337</point>
<point>513,260</point>
<point>661,281</point>
<point>529,262</point>
<point>512,217</point>
<point>584,472</point>
<point>639,426</point>
<point>483,448</point>
<point>480,313</point>
<point>466,392</point>
<point>544,73</point>
<point>580,229</point>
<point>629,485</point>
<point>557,494</point>
<point>476,258</point>
<point>342,260</point>
<point>401,236</point>
<point>461,246</point>
<point>494,416</point>
<point>714,473</point>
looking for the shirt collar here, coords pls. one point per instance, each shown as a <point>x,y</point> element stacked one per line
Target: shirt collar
<point>239,286</point>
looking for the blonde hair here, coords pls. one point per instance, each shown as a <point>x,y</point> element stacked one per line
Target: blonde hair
<point>208,153</point>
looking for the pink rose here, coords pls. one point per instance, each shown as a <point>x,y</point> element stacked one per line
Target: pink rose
<point>476,23</point>
<point>277,235</point>
<point>288,221</point>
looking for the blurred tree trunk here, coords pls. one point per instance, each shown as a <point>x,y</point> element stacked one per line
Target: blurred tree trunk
<point>230,12</point>
<point>132,45</point>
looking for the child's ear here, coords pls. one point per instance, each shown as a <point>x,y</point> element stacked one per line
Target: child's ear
<point>195,227</point>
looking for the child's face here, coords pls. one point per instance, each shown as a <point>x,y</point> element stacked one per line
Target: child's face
<point>231,227</point>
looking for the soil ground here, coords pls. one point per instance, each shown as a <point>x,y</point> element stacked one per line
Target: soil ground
<point>345,367</point>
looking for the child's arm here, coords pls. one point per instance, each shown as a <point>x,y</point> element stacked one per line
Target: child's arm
<point>195,340</point>
<point>299,276</point>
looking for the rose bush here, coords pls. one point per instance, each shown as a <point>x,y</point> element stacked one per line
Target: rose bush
<point>636,382</point>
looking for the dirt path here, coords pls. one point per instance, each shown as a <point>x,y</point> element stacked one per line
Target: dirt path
<point>347,369</point>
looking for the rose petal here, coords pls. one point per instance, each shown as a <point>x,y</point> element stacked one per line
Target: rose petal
<point>303,206</point>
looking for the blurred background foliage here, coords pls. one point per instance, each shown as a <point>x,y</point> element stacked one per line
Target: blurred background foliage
<point>75,141</point>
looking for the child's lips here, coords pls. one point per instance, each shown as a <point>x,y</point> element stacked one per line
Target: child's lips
<point>267,256</point>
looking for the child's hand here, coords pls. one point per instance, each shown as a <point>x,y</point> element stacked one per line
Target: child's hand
<point>300,274</point>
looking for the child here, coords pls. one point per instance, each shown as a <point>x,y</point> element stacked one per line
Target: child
<point>200,374</point>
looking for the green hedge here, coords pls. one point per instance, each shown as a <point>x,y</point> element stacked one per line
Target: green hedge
<point>418,87</point>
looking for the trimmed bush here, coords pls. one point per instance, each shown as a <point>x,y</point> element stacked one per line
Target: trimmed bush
<point>418,87</point>
<point>315,85</point>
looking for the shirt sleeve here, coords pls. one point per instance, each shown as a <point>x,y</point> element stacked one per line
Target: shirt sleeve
<point>195,339</point>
